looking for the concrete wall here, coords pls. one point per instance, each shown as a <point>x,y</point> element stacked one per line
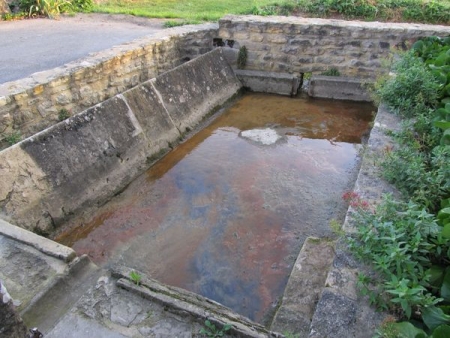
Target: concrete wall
<point>298,45</point>
<point>33,104</point>
<point>87,158</point>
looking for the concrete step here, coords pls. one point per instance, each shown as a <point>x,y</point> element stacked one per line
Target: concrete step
<point>304,287</point>
<point>49,308</point>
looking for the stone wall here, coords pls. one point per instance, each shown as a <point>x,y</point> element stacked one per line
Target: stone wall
<point>299,45</point>
<point>30,105</point>
<point>4,7</point>
<point>89,157</point>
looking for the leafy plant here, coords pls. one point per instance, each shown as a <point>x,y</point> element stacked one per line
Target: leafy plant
<point>408,243</point>
<point>242,57</point>
<point>82,5</point>
<point>412,91</point>
<point>210,330</point>
<point>408,330</point>
<point>135,277</point>
<point>422,177</point>
<point>49,8</point>
<point>402,242</point>
<point>408,10</point>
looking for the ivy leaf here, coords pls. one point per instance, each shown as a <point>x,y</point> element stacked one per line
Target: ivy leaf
<point>433,317</point>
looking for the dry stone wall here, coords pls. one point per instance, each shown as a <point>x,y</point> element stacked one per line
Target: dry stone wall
<point>30,105</point>
<point>299,45</point>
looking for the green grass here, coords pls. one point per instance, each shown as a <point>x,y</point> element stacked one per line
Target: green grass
<point>192,10</point>
<point>426,11</point>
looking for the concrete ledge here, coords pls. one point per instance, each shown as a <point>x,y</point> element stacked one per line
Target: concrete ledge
<point>40,243</point>
<point>200,307</point>
<point>269,82</point>
<point>338,88</point>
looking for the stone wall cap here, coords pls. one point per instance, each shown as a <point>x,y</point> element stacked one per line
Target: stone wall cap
<point>340,79</point>
<point>263,74</point>
<point>333,22</point>
<point>40,243</point>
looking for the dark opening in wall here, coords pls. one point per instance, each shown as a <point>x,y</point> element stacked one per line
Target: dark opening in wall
<point>219,42</point>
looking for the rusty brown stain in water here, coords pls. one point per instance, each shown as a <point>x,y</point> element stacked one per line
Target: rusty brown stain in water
<point>226,217</point>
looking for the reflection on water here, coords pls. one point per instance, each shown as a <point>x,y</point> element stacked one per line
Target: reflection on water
<point>225,213</point>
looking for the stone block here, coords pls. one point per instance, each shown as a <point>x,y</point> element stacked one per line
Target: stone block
<point>338,88</point>
<point>269,82</point>
<point>152,116</point>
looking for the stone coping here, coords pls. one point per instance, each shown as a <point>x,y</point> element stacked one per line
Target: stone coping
<point>373,25</point>
<point>197,305</point>
<point>40,243</point>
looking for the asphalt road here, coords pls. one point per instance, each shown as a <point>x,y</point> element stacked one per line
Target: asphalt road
<point>34,45</point>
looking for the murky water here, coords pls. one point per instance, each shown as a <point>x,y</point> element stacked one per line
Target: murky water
<point>225,213</point>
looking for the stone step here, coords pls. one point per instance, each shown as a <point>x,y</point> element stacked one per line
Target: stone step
<point>178,300</point>
<point>58,299</point>
<point>341,311</point>
<point>304,287</point>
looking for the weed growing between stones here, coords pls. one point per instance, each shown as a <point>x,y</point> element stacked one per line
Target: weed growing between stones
<point>242,57</point>
<point>135,277</point>
<point>63,114</point>
<point>13,138</point>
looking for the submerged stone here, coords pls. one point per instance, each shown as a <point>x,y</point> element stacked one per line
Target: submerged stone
<point>265,136</point>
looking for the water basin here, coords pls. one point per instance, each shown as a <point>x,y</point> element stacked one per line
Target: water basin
<point>226,212</point>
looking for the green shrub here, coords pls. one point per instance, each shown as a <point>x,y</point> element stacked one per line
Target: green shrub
<point>401,242</point>
<point>421,177</point>
<point>409,10</point>
<point>412,91</point>
<point>408,244</point>
<point>49,8</point>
